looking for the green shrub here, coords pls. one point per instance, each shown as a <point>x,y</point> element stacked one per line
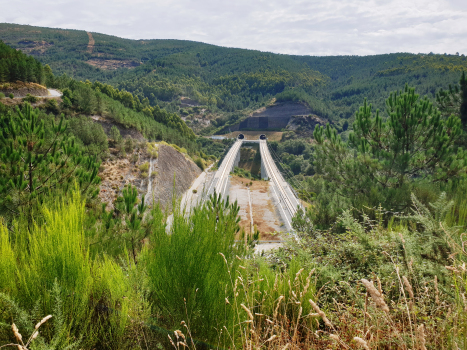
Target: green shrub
<point>51,267</point>
<point>11,96</point>
<point>51,106</point>
<point>152,149</point>
<point>200,163</point>
<point>29,98</point>
<point>187,267</point>
<point>144,167</point>
<point>2,95</point>
<point>91,134</point>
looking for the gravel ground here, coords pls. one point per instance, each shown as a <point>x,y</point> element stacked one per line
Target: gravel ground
<point>265,215</point>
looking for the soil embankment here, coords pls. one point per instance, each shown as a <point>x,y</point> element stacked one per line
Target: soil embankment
<point>158,178</point>
<point>20,89</point>
<point>250,159</point>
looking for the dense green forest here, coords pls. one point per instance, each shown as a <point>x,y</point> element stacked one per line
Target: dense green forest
<point>15,65</point>
<point>230,83</point>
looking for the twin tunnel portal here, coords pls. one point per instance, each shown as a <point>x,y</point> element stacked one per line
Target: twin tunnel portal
<point>285,198</point>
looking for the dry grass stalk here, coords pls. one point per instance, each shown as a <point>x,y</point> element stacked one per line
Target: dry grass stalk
<point>250,315</point>
<point>44,320</point>
<point>17,334</point>
<point>362,343</point>
<point>408,287</point>
<point>436,290</point>
<point>376,295</point>
<point>297,323</point>
<point>321,313</point>
<point>380,289</point>
<point>277,307</point>
<point>421,337</point>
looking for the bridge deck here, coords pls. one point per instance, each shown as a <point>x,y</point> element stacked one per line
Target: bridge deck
<point>286,198</point>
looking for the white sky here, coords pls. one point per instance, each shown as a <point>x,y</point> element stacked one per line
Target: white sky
<point>324,27</point>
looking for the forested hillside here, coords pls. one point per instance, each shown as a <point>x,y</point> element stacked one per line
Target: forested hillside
<point>226,84</point>
<point>15,65</point>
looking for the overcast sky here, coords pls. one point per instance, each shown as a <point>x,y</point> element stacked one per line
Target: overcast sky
<point>324,27</point>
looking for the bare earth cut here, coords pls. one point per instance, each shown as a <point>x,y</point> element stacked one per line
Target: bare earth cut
<point>265,216</point>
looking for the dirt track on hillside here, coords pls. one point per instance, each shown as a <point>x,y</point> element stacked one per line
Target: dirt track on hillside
<point>91,43</point>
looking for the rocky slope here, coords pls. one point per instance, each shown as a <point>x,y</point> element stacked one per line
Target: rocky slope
<point>20,89</point>
<point>159,172</point>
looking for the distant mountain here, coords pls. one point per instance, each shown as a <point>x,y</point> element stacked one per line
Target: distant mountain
<point>228,84</point>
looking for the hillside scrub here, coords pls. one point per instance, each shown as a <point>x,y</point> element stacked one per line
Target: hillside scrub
<point>386,285</point>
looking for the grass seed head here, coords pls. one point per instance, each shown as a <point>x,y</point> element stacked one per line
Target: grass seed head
<point>250,315</point>
<point>44,320</point>
<point>362,343</point>
<point>321,313</point>
<point>271,338</point>
<point>421,337</point>
<point>380,289</point>
<point>17,334</point>
<point>408,287</point>
<point>376,295</point>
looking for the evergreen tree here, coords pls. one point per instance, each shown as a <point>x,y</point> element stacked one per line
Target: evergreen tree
<point>454,100</point>
<point>382,156</point>
<point>34,166</point>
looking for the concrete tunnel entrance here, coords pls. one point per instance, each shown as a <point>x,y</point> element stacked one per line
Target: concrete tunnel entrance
<point>241,136</point>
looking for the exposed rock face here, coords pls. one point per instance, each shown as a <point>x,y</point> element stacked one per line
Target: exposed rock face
<point>275,117</point>
<point>171,173</point>
<point>305,125</point>
<point>20,89</point>
<point>175,174</point>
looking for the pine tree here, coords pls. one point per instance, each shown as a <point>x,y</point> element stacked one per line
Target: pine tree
<point>34,166</point>
<point>463,98</point>
<point>454,100</point>
<point>414,142</point>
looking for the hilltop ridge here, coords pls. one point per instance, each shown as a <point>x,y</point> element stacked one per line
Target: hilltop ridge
<point>228,84</point>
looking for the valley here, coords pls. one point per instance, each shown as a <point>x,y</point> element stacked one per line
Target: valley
<point>169,194</point>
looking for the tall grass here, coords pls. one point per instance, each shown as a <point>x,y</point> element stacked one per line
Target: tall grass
<point>52,267</point>
<point>7,262</point>
<point>186,267</point>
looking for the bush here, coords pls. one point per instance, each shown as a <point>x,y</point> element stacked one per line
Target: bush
<point>200,163</point>
<point>91,134</point>
<point>187,267</point>
<point>29,98</point>
<point>51,272</point>
<point>152,150</point>
<point>11,96</point>
<point>2,95</point>
<point>144,167</point>
<point>51,106</point>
